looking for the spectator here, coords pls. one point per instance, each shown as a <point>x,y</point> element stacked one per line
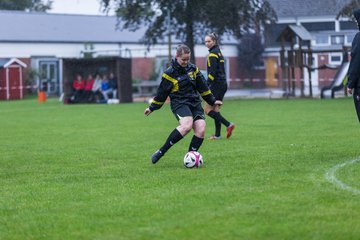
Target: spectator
<point>78,87</point>
<point>88,94</point>
<point>96,88</point>
<point>105,87</point>
<point>113,85</point>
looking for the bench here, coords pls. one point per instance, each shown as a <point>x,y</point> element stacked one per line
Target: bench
<point>146,88</point>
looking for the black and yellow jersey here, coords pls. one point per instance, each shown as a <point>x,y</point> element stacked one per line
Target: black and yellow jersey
<point>215,66</point>
<point>354,67</point>
<point>183,86</point>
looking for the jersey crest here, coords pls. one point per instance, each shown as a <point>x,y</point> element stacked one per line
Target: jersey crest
<point>191,75</point>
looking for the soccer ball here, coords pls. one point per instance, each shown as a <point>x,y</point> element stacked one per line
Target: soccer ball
<point>113,101</point>
<point>193,159</point>
<point>150,100</point>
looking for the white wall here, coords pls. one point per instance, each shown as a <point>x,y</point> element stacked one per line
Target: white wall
<point>74,50</point>
<point>40,49</point>
<point>227,50</point>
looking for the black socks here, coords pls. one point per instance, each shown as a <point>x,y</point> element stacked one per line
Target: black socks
<point>195,143</point>
<point>219,119</point>
<point>173,138</point>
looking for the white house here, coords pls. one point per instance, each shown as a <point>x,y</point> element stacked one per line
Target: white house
<point>329,35</point>
<point>43,40</point>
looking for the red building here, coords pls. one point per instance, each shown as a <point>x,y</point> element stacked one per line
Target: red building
<point>11,79</point>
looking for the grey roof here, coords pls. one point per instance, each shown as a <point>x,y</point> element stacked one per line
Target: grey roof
<point>306,8</point>
<point>19,26</point>
<point>300,31</point>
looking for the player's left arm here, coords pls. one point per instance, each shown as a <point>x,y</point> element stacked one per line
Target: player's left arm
<point>203,89</point>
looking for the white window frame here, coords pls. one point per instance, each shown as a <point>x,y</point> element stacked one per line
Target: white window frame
<point>337,37</point>
<point>335,55</point>
<point>323,44</point>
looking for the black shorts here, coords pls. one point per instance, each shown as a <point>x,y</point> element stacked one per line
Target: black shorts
<point>196,112</point>
<point>219,90</point>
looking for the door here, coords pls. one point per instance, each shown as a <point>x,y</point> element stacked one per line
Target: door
<point>49,77</point>
<point>3,84</point>
<point>14,76</point>
<point>271,72</point>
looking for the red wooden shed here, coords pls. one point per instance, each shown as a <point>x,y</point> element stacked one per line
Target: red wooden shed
<point>11,79</point>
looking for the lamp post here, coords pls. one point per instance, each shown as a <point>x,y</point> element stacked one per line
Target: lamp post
<point>158,13</point>
<point>168,21</point>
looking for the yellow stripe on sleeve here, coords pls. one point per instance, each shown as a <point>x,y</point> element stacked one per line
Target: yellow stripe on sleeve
<point>211,77</point>
<point>196,73</point>
<point>157,103</point>
<point>205,93</point>
<point>175,82</point>
<point>213,55</point>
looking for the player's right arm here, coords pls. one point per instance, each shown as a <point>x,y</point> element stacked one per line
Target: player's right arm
<point>212,65</point>
<point>161,95</point>
<point>147,111</point>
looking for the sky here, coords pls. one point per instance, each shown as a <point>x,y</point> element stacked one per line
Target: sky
<point>88,7</point>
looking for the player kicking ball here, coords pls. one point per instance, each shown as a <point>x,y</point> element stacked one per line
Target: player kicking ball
<point>183,83</point>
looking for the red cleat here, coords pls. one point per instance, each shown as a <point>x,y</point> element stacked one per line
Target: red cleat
<point>229,130</point>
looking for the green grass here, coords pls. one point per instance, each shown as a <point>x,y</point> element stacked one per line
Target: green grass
<point>84,172</point>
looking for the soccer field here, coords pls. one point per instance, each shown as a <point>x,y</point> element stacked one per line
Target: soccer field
<point>290,171</point>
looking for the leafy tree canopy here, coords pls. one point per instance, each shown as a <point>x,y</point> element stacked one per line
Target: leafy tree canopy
<point>347,10</point>
<point>31,5</point>
<point>191,20</point>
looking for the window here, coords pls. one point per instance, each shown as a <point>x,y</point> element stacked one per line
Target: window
<point>260,64</point>
<point>322,40</point>
<point>337,39</point>
<point>335,58</point>
<point>319,26</point>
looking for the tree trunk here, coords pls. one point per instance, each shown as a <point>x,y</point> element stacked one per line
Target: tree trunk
<point>189,30</point>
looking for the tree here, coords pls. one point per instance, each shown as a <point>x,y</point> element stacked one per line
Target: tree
<point>348,9</point>
<point>191,19</point>
<point>30,5</point>
<point>249,52</point>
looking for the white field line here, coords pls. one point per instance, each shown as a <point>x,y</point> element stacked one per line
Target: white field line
<point>330,176</point>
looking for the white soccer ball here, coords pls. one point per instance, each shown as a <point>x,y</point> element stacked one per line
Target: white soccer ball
<point>113,101</point>
<point>193,159</point>
<point>150,100</point>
